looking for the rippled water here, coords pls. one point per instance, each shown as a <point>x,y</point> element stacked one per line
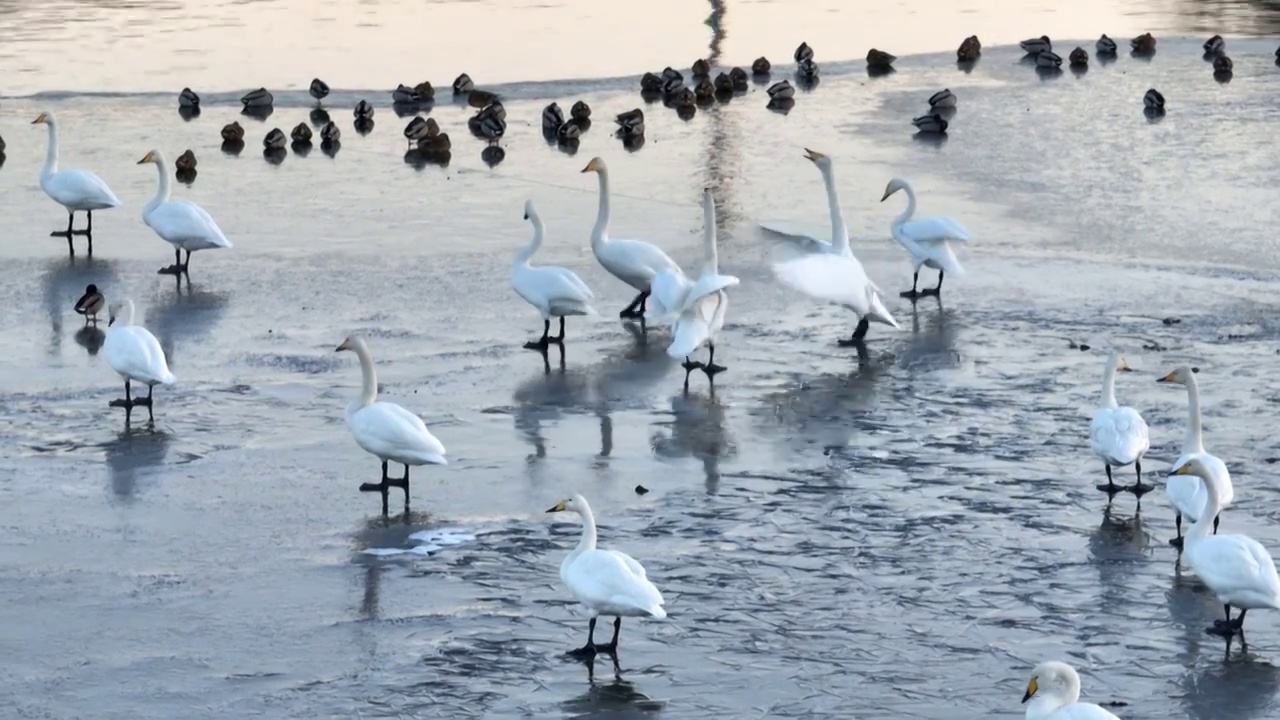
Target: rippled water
<point>901,535</point>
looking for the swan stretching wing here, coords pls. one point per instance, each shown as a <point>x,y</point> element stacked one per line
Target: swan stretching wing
<point>835,279</point>
<point>698,323</point>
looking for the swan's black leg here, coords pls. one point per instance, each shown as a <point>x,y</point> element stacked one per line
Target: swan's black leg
<point>1227,628</point>
<point>630,310</point>
<point>541,343</point>
<point>1216,518</point>
<point>915,280</point>
<point>88,228</point>
<point>186,263</point>
<point>612,646</point>
<point>382,487</point>
<point>644,300</point>
<point>126,402</point>
<point>689,366</point>
<point>934,290</point>
<point>560,338</point>
<point>1138,488</point>
<point>1110,488</point>
<point>859,333</point>
<point>711,368</point>
<point>588,650</point>
<point>403,484</point>
<point>176,267</point>
<point>1177,541</point>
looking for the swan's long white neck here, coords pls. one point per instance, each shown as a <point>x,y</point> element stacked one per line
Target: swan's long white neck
<point>588,541</point>
<point>839,231</point>
<point>51,155</point>
<point>126,313</point>
<point>162,193</point>
<point>599,234</point>
<point>712,264</point>
<point>369,391</point>
<point>1194,441</point>
<point>911,206</point>
<point>1201,528</point>
<point>522,257</point>
<point>1109,386</point>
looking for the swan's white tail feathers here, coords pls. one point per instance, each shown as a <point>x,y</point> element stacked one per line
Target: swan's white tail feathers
<point>657,612</point>
<point>168,378</point>
<point>565,308</point>
<point>879,313</point>
<point>690,333</point>
<point>947,260</point>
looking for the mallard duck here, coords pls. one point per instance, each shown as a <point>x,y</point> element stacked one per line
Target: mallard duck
<point>942,99</point>
<point>363,110</point>
<point>568,132</point>
<point>1048,59</point>
<point>802,53</point>
<point>879,58</point>
<point>186,161</point>
<point>1035,46</point>
<point>435,144</point>
<point>807,69</point>
<point>496,109</point>
<point>188,98</point>
<point>649,82</point>
<point>232,132</point>
<point>319,89</point>
<point>970,49</point>
<point>433,127</point>
<point>704,91</point>
<point>723,84</point>
<point>274,140</point>
<point>1222,65</point>
<point>481,98</point>
<point>761,66</point>
<point>425,92</point>
<point>580,111</point>
<point>630,123</point>
<point>463,84</point>
<point>2,146</point>
<point>90,304</point>
<point>931,123</point>
<point>552,118</point>
<point>1105,45</point>
<point>330,133</point>
<point>1215,45</point>
<point>672,85</point>
<point>403,94</point>
<point>301,133</point>
<point>781,90</point>
<point>1153,100</point>
<point>686,99</point>
<point>1078,57</point>
<point>701,68</point>
<point>492,155</point>
<point>490,123</point>
<point>415,130</point>
<point>739,78</point>
<point>1144,43</point>
<point>259,98</point>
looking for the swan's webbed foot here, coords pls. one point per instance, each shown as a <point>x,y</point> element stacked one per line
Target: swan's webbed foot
<point>1139,489</point>
<point>859,333</point>
<point>121,402</point>
<point>583,653</point>
<point>911,294</point>
<point>691,365</point>
<point>61,233</point>
<point>540,345</point>
<point>1109,488</point>
<point>1224,630</point>
<point>610,648</point>
<point>82,233</point>
<point>930,291</point>
<point>1176,542</point>
<point>173,270</point>
<point>711,369</point>
<point>630,314</point>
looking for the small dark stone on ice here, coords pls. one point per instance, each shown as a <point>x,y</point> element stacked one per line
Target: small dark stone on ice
<point>1083,347</point>
<point>1172,321</point>
<point>641,490</point>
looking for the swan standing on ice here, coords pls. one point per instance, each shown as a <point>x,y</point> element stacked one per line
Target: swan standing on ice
<point>833,274</point>
<point>133,352</point>
<point>553,291</point>
<point>701,305</point>
<point>72,189</point>
<point>387,430</point>
<point>1187,494</point>
<point>606,582</point>
<point>634,262</point>
<point>181,223</point>
<point>927,239</point>
<point>1235,567</point>
<point>1118,435</point>
<point>1053,693</point>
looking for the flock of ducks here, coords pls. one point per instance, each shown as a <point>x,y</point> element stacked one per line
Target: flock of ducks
<point>1235,567</point>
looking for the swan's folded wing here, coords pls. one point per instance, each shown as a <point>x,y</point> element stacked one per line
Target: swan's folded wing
<point>179,220</point>
<point>935,229</point>
<point>1120,434</point>
<point>609,576</point>
<point>557,283</point>
<point>642,254</point>
<point>1083,711</point>
<point>1231,561</point>
<point>81,185</point>
<point>572,277</point>
<point>389,429</point>
<point>837,279</point>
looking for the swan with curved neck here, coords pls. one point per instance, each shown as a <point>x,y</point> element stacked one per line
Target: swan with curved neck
<point>1237,568</point>
<point>135,354</point>
<point>1118,435</point>
<point>1187,494</point>
<point>927,239</point>
<point>634,262</point>
<point>833,274</point>
<point>702,304</point>
<point>606,582</point>
<point>181,223</point>
<point>387,430</point>
<point>1053,693</point>
<point>74,190</point>
<point>554,291</point>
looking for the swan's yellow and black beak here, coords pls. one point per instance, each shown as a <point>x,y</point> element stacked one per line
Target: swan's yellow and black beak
<point>559,507</point>
<point>1124,366</point>
<point>1181,470</point>
<point>813,155</point>
<point>1032,687</point>
<point>41,118</point>
<point>526,215</point>
<point>147,158</point>
<point>111,319</point>
<point>346,345</point>
<point>1171,377</point>
<point>592,166</point>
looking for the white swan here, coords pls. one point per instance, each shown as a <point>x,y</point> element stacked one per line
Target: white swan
<point>634,262</point>
<point>927,239</point>
<point>181,223</point>
<point>833,274</point>
<point>1053,693</point>
<point>387,430</point>
<point>553,291</point>
<point>1235,567</point>
<point>702,304</point>
<point>1118,435</point>
<point>1187,494</point>
<point>133,352</point>
<point>606,582</point>
<point>72,189</point>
